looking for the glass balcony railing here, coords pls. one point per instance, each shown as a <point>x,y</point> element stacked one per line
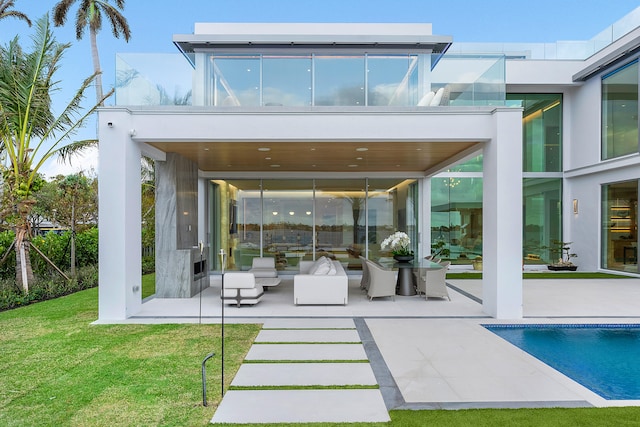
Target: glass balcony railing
<point>153,79</point>
<point>561,50</point>
<point>256,80</point>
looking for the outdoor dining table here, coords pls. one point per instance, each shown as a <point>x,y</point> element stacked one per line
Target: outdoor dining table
<point>405,284</point>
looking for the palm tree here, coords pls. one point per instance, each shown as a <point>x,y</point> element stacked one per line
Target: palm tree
<point>30,133</point>
<point>90,14</point>
<point>6,12</point>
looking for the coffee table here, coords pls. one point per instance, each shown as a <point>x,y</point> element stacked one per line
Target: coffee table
<point>267,282</point>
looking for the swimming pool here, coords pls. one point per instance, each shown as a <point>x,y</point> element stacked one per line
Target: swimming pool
<point>603,358</point>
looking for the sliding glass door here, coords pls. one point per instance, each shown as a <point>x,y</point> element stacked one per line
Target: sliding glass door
<point>620,226</point>
<point>292,220</point>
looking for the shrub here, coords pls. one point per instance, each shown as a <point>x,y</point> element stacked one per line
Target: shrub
<point>148,264</point>
<point>11,296</point>
<point>8,268</point>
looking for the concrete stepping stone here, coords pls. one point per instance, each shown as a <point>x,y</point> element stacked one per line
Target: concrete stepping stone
<point>306,352</point>
<point>301,406</point>
<point>309,324</point>
<point>304,374</point>
<point>309,335</point>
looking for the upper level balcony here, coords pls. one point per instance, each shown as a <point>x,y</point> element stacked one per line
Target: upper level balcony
<point>311,65</point>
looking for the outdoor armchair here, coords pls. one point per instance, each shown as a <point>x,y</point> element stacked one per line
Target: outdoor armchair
<point>432,283</point>
<point>241,288</point>
<point>364,282</point>
<point>382,283</point>
<point>264,267</point>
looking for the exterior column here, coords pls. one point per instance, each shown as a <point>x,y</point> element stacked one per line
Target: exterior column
<point>424,214</point>
<point>502,218</point>
<point>120,276</point>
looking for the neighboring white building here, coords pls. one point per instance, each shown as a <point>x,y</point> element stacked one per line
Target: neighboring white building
<point>294,140</point>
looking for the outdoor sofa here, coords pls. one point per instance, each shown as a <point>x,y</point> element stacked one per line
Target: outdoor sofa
<point>323,281</point>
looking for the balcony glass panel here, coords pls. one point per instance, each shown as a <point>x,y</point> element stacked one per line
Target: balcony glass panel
<point>236,80</point>
<point>470,80</point>
<point>153,79</point>
<point>300,80</point>
<point>392,80</point>
<point>339,80</point>
<point>287,80</point>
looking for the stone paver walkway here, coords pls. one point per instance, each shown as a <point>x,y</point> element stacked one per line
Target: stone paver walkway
<point>327,354</point>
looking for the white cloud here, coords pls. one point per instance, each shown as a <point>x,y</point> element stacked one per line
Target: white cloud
<point>87,162</point>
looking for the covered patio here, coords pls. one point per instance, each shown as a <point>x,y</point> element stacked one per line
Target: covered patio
<point>562,300</point>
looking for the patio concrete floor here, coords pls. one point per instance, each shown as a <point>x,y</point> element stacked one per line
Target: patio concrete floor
<point>435,353</point>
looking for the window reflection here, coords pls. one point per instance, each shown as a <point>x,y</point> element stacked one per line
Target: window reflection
<point>292,220</point>
<point>339,80</point>
<point>287,81</point>
<point>620,226</point>
<point>620,112</point>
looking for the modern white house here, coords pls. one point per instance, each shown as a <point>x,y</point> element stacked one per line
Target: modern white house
<point>300,140</point>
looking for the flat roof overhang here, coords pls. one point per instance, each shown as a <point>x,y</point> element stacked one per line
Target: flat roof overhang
<point>363,35</point>
<point>311,37</point>
<point>313,141</point>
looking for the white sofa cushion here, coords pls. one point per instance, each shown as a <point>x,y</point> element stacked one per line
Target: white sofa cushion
<point>320,267</point>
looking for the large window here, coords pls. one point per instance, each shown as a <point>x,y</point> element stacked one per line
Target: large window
<point>292,220</point>
<point>541,131</point>
<point>620,226</point>
<point>620,112</point>
<point>542,217</point>
<point>456,218</point>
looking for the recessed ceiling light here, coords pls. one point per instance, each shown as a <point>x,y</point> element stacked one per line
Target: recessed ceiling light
<point>313,149</point>
<point>362,149</point>
<point>264,149</point>
<point>418,149</point>
<point>267,158</point>
<point>206,149</point>
<point>358,158</point>
<point>275,166</point>
<point>353,166</point>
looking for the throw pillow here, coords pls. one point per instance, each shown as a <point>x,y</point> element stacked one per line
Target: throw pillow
<point>332,269</point>
<point>324,268</point>
<point>316,264</point>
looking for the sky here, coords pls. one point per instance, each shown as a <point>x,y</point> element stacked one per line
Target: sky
<point>153,24</point>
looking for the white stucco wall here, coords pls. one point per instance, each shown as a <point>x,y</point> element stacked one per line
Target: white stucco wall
<point>499,128</point>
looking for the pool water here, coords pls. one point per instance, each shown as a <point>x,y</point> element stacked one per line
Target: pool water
<point>603,358</point>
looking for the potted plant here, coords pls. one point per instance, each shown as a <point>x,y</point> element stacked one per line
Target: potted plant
<point>563,250</point>
<point>399,244</point>
<point>439,249</point>
<point>477,263</point>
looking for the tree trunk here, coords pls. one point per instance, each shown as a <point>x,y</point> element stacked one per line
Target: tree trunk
<point>96,66</point>
<point>73,236</point>
<point>24,272</point>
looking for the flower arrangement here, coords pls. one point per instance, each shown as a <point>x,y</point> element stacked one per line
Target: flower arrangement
<point>398,243</point>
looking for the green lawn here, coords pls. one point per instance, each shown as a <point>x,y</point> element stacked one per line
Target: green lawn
<point>59,370</point>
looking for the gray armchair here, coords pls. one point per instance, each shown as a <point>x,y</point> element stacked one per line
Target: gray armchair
<point>364,282</point>
<point>432,283</point>
<point>382,283</point>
